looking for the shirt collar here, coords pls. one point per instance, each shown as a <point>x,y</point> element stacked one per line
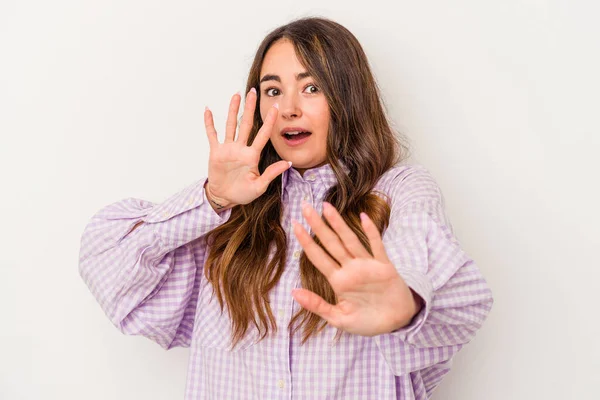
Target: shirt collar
<point>323,175</point>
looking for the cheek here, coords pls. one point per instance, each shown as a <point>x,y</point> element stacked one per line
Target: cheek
<point>324,117</point>
<point>318,113</point>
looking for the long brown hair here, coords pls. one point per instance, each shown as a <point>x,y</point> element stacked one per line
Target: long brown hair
<point>360,136</point>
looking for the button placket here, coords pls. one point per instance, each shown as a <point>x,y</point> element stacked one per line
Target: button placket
<point>308,198</point>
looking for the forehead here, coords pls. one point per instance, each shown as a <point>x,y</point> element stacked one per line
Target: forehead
<point>281,59</point>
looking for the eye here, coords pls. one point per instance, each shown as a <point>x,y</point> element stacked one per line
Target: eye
<point>312,86</point>
<point>269,93</point>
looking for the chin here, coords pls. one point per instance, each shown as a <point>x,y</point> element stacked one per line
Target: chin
<point>307,164</point>
<point>300,158</point>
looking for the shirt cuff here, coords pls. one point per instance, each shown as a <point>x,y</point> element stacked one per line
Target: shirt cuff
<point>185,216</point>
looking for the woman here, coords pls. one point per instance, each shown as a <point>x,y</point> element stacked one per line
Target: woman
<point>371,300</point>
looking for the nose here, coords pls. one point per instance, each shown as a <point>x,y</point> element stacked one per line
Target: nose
<point>289,106</point>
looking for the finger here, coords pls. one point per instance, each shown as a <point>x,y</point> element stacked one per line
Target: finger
<point>271,173</point>
<point>264,133</point>
<point>347,236</point>
<point>247,117</point>
<point>213,140</point>
<point>315,303</point>
<point>321,260</point>
<point>330,240</point>
<point>234,107</point>
<point>374,238</point>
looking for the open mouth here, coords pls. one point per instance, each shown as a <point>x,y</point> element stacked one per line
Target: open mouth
<point>294,137</point>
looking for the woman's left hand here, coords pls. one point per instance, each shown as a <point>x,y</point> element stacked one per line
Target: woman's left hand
<point>372,297</point>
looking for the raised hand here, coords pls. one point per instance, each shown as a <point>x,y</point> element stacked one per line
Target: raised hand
<point>233,175</point>
<point>372,297</point>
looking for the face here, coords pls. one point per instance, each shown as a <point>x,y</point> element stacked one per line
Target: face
<point>302,107</point>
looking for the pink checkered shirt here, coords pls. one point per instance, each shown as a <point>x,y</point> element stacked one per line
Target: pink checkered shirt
<point>149,282</point>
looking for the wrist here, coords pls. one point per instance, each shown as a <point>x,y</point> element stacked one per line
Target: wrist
<point>415,307</point>
<point>217,203</point>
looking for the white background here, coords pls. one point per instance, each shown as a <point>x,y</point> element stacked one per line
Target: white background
<point>104,100</point>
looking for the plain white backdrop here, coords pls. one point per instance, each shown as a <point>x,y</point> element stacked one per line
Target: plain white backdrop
<point>104,100</point>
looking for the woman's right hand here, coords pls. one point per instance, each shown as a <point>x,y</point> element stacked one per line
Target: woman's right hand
<point>233,175</point>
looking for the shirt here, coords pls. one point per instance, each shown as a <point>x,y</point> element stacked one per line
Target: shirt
<point>149,282</point>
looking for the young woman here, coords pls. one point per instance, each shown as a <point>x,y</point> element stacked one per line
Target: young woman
<point>312,262</point>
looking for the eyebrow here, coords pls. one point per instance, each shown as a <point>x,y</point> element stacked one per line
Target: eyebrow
<point>270,77</point>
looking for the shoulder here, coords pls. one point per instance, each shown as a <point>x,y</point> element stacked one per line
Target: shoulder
<point>408,182</point>
<point>411,189</point>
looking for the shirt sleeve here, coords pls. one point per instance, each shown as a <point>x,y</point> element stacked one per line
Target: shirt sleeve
<point>421,244</point>
<point>146,280</point>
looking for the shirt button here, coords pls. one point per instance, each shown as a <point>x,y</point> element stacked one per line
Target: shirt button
<point>281,313</point>
<point>296,254</point>
<point>310,177</point>
<point>165,214</point>
<point>305,198</point>
<point>280,383</point>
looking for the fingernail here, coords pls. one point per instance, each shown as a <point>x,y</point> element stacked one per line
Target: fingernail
<point>276,105</point>
<point>205,108</point>
<point>289,162</point>
<point>253,90</point>
<point>363,216</point>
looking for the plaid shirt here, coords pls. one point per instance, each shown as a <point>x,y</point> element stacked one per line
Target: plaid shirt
<point>150,282</point>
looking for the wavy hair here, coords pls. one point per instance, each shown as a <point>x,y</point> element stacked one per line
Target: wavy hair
<point>361,146</point>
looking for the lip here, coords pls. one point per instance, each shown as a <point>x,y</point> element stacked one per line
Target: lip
<point>293,129</point>
<point>295,142</point>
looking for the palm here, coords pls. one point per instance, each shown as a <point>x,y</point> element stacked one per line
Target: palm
<point>233,170</point>
<point>372,297</point>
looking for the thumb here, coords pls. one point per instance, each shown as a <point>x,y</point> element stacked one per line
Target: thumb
<point>272,172</point>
